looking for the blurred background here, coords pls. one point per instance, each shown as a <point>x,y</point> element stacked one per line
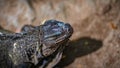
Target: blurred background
<point>95,42</point>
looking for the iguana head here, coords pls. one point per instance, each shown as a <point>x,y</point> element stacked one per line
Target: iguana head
<point>55,35</point>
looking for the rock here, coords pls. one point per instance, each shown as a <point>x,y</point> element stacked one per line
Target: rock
<point>96,39</point>
<point>15,13</point>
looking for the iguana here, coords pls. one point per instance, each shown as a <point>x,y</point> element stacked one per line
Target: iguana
<point>35,46</point>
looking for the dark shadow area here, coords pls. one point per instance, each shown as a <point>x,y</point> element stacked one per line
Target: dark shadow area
<point>1,28</point>
<point>78,48</point>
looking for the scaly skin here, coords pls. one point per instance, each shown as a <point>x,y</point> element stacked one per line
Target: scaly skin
<point>38,47</point>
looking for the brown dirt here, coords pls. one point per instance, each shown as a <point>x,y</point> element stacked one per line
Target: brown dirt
<point>96,39</point>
